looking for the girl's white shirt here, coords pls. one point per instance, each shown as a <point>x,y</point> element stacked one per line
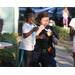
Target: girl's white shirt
<point>65,15</point>
<point>29,42</point>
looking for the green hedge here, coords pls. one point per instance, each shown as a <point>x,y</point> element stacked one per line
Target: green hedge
<point>10,56</point>
<point>61,32</point>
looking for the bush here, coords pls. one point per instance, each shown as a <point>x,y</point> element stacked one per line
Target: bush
<point>61,32</point>
<point>10,56</point>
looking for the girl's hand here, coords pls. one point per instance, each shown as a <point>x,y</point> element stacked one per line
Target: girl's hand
<point>35,28</point>
<point>42,36</point>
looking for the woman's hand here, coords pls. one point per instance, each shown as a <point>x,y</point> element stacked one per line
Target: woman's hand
<point>49,33</point>
<point>41,27</point>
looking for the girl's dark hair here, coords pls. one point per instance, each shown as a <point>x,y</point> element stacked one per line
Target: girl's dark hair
<point>73,15</point>
<point>41,15</point>
<point>27,11</point>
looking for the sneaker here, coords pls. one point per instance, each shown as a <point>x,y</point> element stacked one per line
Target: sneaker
<point>64,26</point>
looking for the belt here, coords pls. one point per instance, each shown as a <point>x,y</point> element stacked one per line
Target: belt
<point>44,51</point>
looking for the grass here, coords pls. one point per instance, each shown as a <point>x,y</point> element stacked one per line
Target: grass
<point>62,33</point>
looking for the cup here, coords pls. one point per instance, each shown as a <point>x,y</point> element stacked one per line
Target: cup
<point>48,33</point>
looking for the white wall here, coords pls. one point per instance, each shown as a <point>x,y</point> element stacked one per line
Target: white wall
<point>16,19</point>
<point>6,13</point>
<point>10,16</point>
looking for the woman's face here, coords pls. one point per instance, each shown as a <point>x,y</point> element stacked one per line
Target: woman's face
<point>44,21</point>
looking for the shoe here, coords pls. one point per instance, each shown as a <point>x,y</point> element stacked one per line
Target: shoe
<point>64,26</point>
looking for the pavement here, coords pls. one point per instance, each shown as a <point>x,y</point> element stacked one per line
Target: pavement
<point>63,58</point>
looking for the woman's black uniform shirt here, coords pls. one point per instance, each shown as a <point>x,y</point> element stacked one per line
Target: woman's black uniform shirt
<point>47,41</point>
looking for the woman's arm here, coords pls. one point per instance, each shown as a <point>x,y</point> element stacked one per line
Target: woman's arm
<point>41,27</point>
<point>55,40</point>
<point>54,37</point>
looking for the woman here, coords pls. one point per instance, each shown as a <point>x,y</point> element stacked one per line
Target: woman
<point>72,33</point>
<point>65,17</point>
<point>46,42</point>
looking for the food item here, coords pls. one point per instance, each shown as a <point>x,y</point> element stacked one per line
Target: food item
<point>49,32</point>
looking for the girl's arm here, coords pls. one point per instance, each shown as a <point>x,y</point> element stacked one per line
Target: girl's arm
<point>61,11</point>
<point>40,37</point>
<point>68,13</point>
<point>30,32</point>
<point>72,33</point>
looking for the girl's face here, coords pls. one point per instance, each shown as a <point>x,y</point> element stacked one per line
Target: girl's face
<point>44,21</point>
<point>65,8</point>
<point>30,18</point>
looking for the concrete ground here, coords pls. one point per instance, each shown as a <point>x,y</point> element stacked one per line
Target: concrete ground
<point>63,58</point>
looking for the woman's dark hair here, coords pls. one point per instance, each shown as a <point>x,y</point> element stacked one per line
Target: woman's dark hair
<point>41,15</point>
<point>27,11</point>
<point>73,15</point>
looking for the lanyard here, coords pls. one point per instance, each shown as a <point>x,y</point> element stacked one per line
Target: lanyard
<point>22,54</point>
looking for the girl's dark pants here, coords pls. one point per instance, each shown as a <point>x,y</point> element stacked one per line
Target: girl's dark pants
<point>27,58</point>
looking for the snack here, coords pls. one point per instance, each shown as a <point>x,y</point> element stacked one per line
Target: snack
<point>48,32</point>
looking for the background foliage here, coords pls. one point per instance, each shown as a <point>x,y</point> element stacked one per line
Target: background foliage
<point>62,33</point>
<point>10,56</point>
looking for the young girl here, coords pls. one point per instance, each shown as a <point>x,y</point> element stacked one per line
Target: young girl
<point>65,17</point>
<point>72,33</point>
<point>28,39</point>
